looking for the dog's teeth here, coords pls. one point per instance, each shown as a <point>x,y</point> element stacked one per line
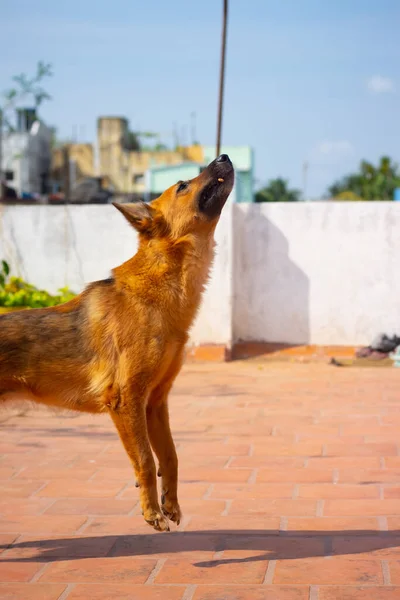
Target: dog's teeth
<point>220,179</point>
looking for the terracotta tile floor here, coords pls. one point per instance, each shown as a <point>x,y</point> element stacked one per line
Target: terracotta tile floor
<point>289,482</point>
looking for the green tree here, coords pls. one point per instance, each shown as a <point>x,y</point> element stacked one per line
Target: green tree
<point>25,88</point>
<point>370,183</point>
<point>277,190</point>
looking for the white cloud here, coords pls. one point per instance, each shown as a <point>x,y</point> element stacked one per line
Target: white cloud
<point>335,148</point>
<point>380,85</point>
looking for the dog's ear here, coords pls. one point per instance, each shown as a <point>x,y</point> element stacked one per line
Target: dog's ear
<point>139,214</point>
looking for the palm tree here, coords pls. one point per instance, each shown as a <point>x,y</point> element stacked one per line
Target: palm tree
<point>277,191</point>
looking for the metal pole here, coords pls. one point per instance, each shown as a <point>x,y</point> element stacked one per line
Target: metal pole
<point>222,77</point>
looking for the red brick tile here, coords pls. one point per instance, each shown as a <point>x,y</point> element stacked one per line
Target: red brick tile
<point>284,462</point>
<point>70,488</point>
<point>251,592</point>
<point>261,545</point>
<point>361,450</point>
<point>214,475</point>
<point>184,571</point>
<point>394,567</point>
<point>391,421</point>
<point>21,506</point>
<point>275,447</point>
<point>193,506</point>
<point>343,439</point>
<point>320,525</point>
<point>6,539</point>
<point>33,591</point>
<point>393,523</point>
<point>114,473</point>
<point>44,473</point>
<point>98,570</point>
<point>126,592</point>
<point>359,593</point>
<point>118,526</point>
<point>185,490</point>
<point>390,492</point>
<point>43,524</point>
<point>13,449</point>
<point>42,547</point>
<point>369,475</point>
<point>294,475</point>
<point>392,462</point>
<point>91,506</point>
<point>229,491</point>
<point>382,545</point>
<point>323,571</point>
<point>187,461</point>
<point>6,473</point>
<point>271,508</point>
<point>214,449</point>
<point>198,545</point>
<point>343,462</point>
<point>388,435</point>
<point>233,523</point>
<point>310,431</point>
<point>18,572</point>
<point>325,491</point>
<point>366,430</point>
<point>19,488</point>
<point>338,508</point>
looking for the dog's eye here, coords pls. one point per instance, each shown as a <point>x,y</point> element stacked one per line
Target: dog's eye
<point>182,185</point>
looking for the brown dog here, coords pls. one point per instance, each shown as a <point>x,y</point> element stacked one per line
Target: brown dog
<point>118,346</point>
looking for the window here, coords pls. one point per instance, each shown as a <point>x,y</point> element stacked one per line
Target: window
<point>9,175</point>
<point>138,178</point>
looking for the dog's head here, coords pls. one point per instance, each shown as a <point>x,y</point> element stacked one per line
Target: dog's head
<point>188,207</point>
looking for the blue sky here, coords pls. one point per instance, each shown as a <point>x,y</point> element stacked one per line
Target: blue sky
<point>306,80</point>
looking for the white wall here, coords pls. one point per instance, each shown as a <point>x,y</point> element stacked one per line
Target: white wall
<point>320,273</point>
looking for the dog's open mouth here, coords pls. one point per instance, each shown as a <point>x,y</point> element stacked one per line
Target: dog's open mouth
<point>215,193</point>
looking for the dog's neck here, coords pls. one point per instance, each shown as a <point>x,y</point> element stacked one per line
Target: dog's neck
<point>174,275</point>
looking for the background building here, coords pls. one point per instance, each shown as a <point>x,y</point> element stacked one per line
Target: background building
<point>158,178</point>
<point>26,154</point>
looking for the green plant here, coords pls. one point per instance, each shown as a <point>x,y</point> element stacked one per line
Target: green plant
<point>15,292</point>
<point>277,190</point>
<point>370,183</point>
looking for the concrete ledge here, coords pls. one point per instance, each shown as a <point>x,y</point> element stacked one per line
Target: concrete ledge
<point>268,351</point>
<point>208,353</point>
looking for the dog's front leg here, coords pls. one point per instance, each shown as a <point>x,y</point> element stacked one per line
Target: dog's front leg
<point>129,416</point>
<point>163,445</point>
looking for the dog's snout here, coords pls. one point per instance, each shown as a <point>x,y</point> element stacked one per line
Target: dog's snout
<point>223,158</point>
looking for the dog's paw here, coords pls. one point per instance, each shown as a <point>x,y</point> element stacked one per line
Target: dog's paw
<point>157,521</point>
<point>171,510</point>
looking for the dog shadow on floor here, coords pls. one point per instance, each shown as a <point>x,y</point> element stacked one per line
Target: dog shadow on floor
<point>272,545</point>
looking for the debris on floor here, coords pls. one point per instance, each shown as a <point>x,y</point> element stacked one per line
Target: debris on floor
<point>378,353</point>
